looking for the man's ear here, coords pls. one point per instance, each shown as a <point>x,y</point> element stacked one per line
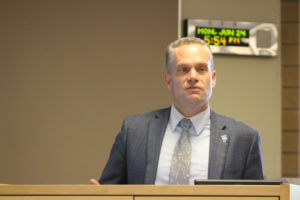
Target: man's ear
<point>168,80</point>
<point>214,78</point>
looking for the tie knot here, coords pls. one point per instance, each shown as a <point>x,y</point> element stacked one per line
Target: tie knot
<point>185,124</point>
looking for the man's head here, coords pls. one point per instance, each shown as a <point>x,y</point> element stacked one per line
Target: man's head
<point>190,75</point>
<point>186,41</point>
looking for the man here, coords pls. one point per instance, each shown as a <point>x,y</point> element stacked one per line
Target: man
<point>157,148</point>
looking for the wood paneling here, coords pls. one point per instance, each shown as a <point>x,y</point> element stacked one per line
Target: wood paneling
<point>290,142</point>
<point>151,192</point>
<point>290,119</point>
<point>290,87</point>
<point>143,190</point>
<point>290,54</point>
<point>290,33</point>
<point>205,198</point>
<point>290,76</point>
<point>67,198</point>
<point>289,11</point>
<point>290,164</point>
<point>290,98</point>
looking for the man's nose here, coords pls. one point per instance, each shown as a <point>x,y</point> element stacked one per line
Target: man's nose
<point>193,76</point>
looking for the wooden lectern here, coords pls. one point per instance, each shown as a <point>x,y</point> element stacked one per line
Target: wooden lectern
<point>150,192</point>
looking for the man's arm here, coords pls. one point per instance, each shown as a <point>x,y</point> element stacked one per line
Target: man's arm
<point>254,165</point>
<point>115,171</point>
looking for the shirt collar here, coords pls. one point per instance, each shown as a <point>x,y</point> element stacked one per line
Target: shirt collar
<point>198,121</point>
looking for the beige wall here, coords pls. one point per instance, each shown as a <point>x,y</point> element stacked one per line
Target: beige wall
<point>248,88</point>
<point>69,72</point>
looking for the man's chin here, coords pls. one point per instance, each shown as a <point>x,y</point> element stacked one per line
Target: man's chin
<point>195,101</point>
<point>194,98</point>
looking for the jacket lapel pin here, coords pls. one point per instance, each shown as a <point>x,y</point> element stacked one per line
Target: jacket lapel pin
<point>224,138</point>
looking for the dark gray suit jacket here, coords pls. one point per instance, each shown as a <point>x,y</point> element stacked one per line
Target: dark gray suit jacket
<point>135,153</point>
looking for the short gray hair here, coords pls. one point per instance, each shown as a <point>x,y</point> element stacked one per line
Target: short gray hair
<point>185,41</point>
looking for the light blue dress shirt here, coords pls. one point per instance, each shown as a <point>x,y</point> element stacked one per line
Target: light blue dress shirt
<point>199,137</point>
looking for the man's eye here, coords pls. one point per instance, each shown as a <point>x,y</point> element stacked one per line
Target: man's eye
<point>202,69</point>
<point>183,69</point>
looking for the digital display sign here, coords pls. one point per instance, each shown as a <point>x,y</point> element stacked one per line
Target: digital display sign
<point>235,37</point>
<point>223,36</point>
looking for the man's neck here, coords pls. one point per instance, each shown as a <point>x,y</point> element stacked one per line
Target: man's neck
<point>191,111</point>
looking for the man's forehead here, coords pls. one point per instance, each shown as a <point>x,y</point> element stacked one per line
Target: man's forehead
<point>197,62</point>
<point>191,51</point>
<point>191,54</point>
<point>193,45</point>
<point>191,48</point>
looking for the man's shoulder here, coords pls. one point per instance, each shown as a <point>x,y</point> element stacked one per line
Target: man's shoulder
<point>154,114</point>
<point>231,123</point>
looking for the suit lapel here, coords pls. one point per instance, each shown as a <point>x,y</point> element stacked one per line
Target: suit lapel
<point>219,139</point>
<point>155,135</point>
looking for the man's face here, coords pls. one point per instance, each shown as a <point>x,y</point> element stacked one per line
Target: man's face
<point>191,78</point>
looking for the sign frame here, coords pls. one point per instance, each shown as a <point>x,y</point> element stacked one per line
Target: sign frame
<point>262,38</point>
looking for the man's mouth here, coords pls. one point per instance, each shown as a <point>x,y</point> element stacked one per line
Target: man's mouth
<point>193,88</point>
